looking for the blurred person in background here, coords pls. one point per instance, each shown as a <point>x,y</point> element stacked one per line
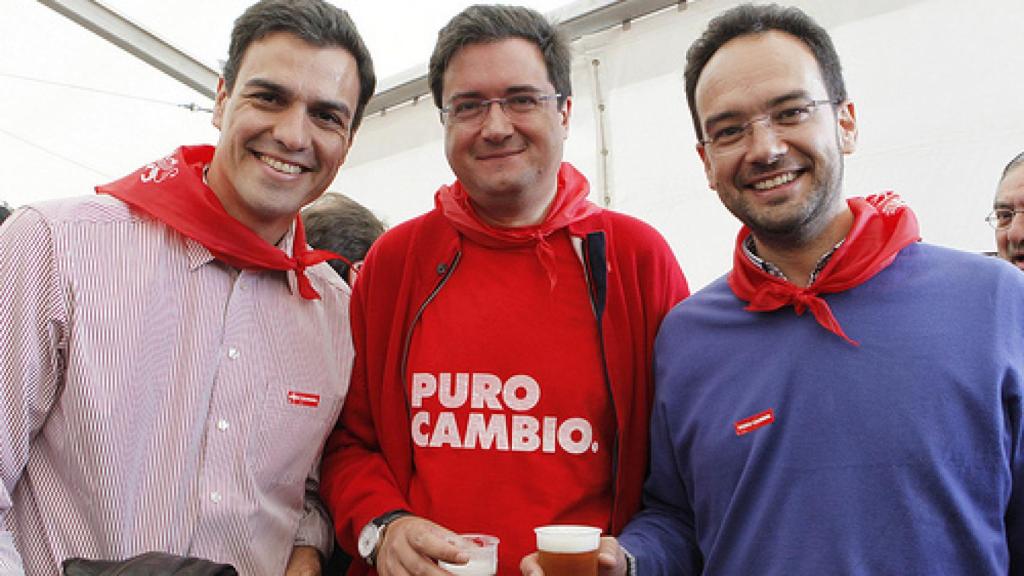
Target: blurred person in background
<point>1006,213</point>
<point>341,225</point>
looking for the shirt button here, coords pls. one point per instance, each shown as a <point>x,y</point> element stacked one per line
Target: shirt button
<point>222,424</point>
<point>216,497</point>
<point>233,353</point>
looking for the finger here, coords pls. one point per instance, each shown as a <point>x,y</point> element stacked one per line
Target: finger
<point>438,543</point>
<point>416,543</point>
<point>407,562</point>
<point>529,566</point>
<point>610,553</point>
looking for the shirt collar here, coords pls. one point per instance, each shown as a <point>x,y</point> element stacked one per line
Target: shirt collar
<point>750,250</point>
<point>198,255</point>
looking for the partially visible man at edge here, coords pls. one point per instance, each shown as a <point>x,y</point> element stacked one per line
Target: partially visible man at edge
<point>504,339</point>
<point>847,400</point>
<point>175,355</point>
<point>1006,209</point>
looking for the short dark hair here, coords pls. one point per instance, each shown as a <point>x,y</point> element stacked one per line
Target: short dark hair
<point>485,23</point>
<point>5,211</point>
<point>1017,161</point>
<point>338,223</point>
<point>750,19</point>
<point>314,21</point>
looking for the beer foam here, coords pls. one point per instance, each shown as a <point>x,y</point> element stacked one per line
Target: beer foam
<point>568,539</point>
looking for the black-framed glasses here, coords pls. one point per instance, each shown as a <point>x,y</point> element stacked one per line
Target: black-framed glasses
<point>470,110</point>
<point>729,135</point>
<point>1001,218</point>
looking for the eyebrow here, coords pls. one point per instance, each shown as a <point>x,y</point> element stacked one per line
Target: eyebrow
<point>730,114</point>
<point>515,89</point>
<point>272,86</point>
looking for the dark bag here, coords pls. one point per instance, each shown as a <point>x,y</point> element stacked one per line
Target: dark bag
<point>148,564</point>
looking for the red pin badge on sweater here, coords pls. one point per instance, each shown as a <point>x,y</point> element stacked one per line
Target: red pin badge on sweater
<point>759,420</point>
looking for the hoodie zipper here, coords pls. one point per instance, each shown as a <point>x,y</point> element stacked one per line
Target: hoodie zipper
<point>599,321</point>
<point>416,319</point>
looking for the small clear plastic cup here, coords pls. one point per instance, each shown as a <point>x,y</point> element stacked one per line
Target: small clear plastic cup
<point>483,556</point>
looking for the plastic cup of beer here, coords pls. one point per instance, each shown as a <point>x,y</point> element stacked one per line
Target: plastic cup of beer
<point>565,550</point>
<point>483,556</point>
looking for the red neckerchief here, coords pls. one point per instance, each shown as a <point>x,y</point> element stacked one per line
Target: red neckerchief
<point>882,226</point>
<point>172,191</point>
<point>570,205</point>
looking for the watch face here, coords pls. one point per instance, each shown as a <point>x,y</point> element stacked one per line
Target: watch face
<point>368,540</point>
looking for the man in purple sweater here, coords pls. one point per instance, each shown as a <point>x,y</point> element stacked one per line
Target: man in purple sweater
<point>881,432</point>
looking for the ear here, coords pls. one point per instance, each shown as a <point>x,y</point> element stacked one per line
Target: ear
<point>566,113</point>
<point>847,120</point>
<point>218,103</point>
<point>703,153</point>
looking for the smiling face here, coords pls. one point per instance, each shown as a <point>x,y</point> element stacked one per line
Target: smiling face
<point>507,164</point>
<point>784,186</point>
<point>284,130</point>
<point>1010,196</point>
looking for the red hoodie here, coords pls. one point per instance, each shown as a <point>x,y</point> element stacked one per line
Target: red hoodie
<point>393,408</point>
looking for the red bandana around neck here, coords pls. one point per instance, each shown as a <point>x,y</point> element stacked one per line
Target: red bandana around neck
<point>172,191</point>
<point>569,206</point>
<point>883,225</point>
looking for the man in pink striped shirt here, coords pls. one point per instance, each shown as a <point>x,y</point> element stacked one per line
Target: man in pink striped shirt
<point>173,354</point>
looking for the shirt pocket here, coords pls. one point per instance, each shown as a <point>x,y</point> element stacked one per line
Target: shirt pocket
<point>290,431</point>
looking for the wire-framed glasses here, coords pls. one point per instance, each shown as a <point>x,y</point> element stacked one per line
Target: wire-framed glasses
<point>729,134</point>
<point>1001,218</point>
<point>465,110</point>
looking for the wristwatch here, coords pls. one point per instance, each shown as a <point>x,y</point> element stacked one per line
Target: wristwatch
<point>372,534</point>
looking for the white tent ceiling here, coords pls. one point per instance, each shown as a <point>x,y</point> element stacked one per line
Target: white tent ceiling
<point>79,111</point>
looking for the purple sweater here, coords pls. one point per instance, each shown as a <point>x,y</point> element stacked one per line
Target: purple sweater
<point>898,457</point>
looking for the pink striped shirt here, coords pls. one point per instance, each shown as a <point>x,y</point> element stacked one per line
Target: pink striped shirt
<point>153,398</point>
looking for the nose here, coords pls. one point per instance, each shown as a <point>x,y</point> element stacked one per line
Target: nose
<point>496,125</point>
<point>766,147</point>
<point>291,128</point>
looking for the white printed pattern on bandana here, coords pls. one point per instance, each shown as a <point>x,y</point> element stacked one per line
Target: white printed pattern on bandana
<point>162,169</point>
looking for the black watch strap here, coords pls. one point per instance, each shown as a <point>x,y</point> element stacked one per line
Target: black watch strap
<point>389,517</point>
<point>381,522</point>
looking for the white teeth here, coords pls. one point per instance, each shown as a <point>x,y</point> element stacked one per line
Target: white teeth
<point>777,181</point>
<point>280,166</point>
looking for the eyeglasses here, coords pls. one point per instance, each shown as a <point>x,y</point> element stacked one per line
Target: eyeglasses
<point>728,135</point>
<point>1001,218</point>
<point>467,110</point>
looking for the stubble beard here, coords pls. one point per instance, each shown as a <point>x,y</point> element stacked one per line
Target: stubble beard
<point>801,224</point>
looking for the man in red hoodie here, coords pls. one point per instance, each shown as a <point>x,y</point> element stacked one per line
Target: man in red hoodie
<point>503,340</point>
